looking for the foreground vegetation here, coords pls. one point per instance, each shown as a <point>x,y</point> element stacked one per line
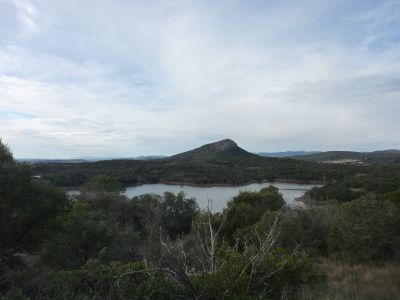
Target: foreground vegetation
<point>357,282</point>
<point>101,245</point>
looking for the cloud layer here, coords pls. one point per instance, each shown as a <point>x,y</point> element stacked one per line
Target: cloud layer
<point>126,78</point>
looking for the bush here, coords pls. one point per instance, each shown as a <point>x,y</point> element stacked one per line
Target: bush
<point>364,230</point>
<point>247,208</point>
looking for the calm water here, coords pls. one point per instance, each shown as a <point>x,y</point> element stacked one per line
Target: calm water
<point>220,194</point>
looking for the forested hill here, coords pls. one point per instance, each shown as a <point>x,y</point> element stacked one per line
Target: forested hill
<point>223,162</point>
<point>221,150</point>
<point>376,157</point>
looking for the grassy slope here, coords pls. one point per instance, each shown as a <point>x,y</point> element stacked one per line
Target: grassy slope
<point>358,282</point>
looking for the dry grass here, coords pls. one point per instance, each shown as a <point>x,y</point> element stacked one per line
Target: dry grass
<point>358,282</point>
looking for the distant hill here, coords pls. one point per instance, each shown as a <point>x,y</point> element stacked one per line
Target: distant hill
<point>221,150</point>
<point>219,163</point>
<point>149,157</point>
<point>50,161</point>
<point>286,153</point>
<point>222,162</point>
<point>332,155</point>
<point>142,157</point>
<point>376,157</point>
<point>85,159</point>
<point>227,151</point>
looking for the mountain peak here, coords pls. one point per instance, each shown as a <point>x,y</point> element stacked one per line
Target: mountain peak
<point>221,150</point>
<point>222,145</point>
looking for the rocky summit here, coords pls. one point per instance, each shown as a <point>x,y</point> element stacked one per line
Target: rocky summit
<point>223,149</point>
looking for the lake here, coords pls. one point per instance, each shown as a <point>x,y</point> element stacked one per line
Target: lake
<point>220,194</point>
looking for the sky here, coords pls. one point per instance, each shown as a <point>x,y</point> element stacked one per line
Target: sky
<point>126,78</point>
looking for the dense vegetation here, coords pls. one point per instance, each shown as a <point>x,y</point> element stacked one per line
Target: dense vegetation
<point>218,163</point>
<point>226,163</point>
<point>378,179</point>
<point>101,245</point>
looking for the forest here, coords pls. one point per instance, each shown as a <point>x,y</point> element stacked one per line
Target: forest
<point>227,170</point>
<point>102,245</point>
<point>225,163</point>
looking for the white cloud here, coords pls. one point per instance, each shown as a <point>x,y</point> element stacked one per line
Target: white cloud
<point>28,15</point>
<point>130,78</point>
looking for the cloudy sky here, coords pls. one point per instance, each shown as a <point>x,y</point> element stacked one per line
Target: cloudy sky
<point>127,78</point>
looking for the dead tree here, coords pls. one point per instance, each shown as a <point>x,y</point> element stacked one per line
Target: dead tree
<point>181,261</point>
<point>208,237</point>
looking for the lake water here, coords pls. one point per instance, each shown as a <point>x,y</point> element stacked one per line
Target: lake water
<point>220,194</point>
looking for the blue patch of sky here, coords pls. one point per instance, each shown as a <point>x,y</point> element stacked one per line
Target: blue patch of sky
<point>9,115</point>
<point>8,22</point>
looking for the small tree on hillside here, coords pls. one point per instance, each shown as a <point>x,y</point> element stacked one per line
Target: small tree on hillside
<point>5,153</point>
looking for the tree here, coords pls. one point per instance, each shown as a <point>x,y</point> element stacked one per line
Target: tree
<point>211,269</point>
<point>364,230</point>
<point>178,213</point>
<point>272,197</point>
<point>84,232</point>
<point>103,184</point>
<point>307,227</point>
<point>5,153</point>
<point>27,209</point>
<point>247,208</point>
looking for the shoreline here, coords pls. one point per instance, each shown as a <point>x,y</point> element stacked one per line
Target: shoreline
<point>191,184</point>
<point>293,181</point>
<point>307,200</point>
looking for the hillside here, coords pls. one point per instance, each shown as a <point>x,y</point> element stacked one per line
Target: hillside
<point>221,150</point>
<point>50,161</point>
<point>388,157</point>
<point>286,153</point>
<point>84,159</point>
<point>331,156</point>
<point>222,162</point>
